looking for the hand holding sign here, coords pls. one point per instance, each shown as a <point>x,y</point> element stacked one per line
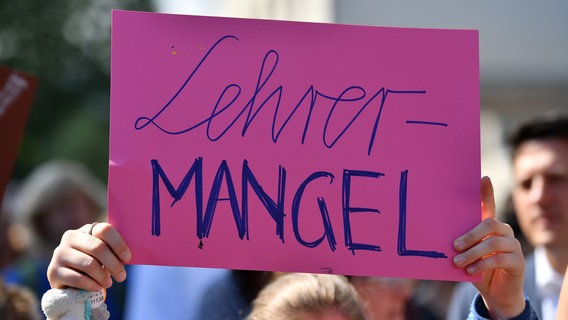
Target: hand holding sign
<point>103,248</point>
<point>491,249</point>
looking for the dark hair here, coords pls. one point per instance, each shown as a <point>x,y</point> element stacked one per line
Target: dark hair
<point>553,124</point>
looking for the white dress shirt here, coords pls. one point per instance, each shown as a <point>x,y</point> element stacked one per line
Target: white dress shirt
<point>548,284</point>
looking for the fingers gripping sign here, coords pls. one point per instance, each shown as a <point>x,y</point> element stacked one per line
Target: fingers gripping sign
<point>491,249</point>
<point>87,258</point>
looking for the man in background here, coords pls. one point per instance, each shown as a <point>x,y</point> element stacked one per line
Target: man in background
<point>539,153</point>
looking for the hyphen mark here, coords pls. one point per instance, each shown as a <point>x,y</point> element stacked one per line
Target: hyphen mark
<point>430,123</point>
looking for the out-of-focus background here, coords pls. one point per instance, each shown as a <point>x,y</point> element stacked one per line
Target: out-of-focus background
<point>66,44</point>
<point>523,58</point>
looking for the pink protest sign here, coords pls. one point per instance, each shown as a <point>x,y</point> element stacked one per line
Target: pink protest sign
<point>270,145</point>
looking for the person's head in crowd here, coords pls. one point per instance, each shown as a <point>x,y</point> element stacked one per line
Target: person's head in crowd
<point>384,298</point>
<point>14,237</point>
<point>11,246</point>
<point>57,196</point>
<point>539,150</point>
<point>17,303</point>
<point>303,296</point>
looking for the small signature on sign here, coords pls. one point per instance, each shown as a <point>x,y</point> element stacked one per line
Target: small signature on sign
<point>327,270</point>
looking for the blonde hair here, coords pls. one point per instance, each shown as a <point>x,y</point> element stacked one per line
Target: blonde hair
<point>295,294</point>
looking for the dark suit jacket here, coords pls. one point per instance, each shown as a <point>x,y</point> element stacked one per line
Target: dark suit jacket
<point>465,292</point>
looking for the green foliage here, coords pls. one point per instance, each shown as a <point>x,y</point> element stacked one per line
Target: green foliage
<point>66,44</point>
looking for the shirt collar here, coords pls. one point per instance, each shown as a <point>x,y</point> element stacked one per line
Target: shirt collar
<point>548,281</point>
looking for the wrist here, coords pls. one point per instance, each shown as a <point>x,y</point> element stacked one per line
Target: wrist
<point>505,309</point>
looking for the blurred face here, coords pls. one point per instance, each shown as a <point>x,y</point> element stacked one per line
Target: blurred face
<point>540,194</point>
<point>384,298</point>
<point>71,211</point>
